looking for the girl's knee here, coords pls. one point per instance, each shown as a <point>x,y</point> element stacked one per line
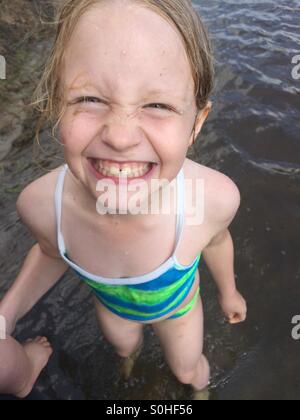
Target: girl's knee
<point>130,346</point>
<point>186,375</point>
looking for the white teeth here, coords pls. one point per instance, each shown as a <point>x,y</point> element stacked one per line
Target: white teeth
<point>126,172</point>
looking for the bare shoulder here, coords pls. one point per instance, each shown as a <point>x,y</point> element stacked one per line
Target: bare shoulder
<point>36,208</point>
<point>222,196</point>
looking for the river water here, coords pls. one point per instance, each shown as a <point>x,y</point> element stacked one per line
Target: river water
<point>252,136</point>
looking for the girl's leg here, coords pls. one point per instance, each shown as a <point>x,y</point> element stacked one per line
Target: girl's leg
<point>20,366</point>
<point>182,342</point>
<point>124,335</point>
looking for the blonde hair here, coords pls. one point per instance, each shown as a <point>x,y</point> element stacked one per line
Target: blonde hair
<point>48,98</point>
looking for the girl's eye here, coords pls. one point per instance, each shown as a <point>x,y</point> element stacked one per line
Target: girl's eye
<point>94,100</point>
<point>160,106</point>
<point>89,99</point>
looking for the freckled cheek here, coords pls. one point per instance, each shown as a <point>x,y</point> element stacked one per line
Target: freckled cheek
<point>76,134</point>
<point>171,141</point>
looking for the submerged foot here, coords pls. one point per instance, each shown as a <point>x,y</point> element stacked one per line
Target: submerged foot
<point>129,362</point>
<point>202,395</point>
<point>38,352</point>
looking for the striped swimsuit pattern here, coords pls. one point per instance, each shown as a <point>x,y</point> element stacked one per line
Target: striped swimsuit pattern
<point>150,300</point>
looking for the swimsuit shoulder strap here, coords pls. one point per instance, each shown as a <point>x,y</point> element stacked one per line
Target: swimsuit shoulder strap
<point>58,207</point>
<point>180,211</point>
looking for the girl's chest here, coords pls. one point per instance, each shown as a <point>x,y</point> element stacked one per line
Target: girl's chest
<point>116,252</point>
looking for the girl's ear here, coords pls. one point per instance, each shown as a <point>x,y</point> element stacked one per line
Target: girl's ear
<point>200,120</point>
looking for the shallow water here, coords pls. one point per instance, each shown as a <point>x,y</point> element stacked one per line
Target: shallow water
<point>253,137</point>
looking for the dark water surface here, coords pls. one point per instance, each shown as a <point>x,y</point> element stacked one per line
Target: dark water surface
<point>253,137</point>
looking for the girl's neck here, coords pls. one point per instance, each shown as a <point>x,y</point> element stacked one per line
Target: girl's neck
<point>88,203</point>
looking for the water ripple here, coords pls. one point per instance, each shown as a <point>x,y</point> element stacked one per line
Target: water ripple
<point>254,43</point>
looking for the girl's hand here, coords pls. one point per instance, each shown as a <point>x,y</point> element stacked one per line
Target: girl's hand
<point>234,307</point>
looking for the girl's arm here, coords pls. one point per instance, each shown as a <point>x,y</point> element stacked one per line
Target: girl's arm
<point>43,266</point>
<point>38,275</point>
<point>219,254</point>
<point>219,257</point>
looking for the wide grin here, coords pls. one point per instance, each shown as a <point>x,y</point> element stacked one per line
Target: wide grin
<point>124,170</point>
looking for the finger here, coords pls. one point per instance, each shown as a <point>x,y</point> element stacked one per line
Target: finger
<point>237,319</point>
<point>234,319</point>
<point>231,317</point>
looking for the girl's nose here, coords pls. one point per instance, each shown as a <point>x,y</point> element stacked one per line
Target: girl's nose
<point>121,136</point>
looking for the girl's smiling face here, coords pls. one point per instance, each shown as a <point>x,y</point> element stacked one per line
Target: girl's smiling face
<point>129,92</point>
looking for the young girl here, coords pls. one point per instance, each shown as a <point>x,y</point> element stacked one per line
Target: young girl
<point>128,86</point>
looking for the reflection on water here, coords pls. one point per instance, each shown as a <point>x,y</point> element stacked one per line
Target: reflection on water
<point>253,137</point>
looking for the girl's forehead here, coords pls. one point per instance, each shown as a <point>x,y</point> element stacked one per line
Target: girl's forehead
<point>134,43</point>
<point>130,19</point>
<point>136,30</point>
